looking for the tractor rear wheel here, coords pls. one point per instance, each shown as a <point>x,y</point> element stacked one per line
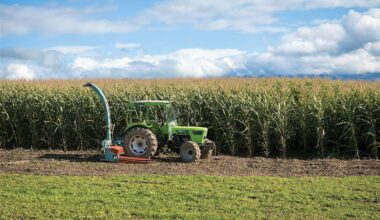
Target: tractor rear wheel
<point>140,142</point>
<point>190,152</point>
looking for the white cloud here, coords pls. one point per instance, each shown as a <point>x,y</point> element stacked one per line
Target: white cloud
<point>84,64</point>
<point>350,45</point>
<point>340,3</point>
<point>362,27</point>
<point>321,39</point>
<point>123,46</point>
<point>19,71</point>
<point>186,62</point>
<point>71,49</point>
<point>358,61</point>
<point>18,19</point>
<point>240,15</point>
<point>351,33</point>
<point>47,58</point>
<point>373,48</point>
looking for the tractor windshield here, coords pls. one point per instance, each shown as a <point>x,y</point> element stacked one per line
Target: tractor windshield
<point>162,112</point>
<point>170,114</point>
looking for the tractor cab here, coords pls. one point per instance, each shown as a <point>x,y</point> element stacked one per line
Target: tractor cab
<point>156,115</point>
<point>154,111</point>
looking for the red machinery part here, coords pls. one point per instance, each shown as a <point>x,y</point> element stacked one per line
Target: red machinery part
<point>118,151</point>
<point>123,159</point>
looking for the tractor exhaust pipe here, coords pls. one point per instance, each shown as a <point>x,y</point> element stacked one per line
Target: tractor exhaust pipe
<point>108,141</point>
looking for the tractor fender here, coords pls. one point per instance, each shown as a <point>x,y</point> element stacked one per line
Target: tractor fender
<point>134,125</point>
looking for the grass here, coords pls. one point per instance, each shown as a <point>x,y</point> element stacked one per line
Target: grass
<point>189,197</point>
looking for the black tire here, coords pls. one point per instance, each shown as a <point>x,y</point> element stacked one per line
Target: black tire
<point>190,152</point>
<point>146,146</point>
<point>207,149</point>
<point>206,153</point>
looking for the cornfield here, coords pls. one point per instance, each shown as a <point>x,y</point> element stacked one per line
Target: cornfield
<point>252,117</point>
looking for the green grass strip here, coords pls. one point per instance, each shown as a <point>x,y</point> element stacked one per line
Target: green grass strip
<point>188,197</point>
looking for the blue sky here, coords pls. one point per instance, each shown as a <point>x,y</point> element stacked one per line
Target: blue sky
<point>193,38</point>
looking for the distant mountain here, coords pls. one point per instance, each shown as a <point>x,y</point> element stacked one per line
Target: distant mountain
<point>365,76</point>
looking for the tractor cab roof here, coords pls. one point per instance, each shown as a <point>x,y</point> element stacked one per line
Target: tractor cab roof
<point>152,102</point>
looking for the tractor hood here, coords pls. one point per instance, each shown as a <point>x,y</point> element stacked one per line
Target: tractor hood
<point>189,128</point>
<point>197,134</point>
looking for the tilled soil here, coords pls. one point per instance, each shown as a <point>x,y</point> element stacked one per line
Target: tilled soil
<point>89,163</point>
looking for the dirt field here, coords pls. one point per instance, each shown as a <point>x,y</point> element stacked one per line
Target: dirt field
<point>88,163</point>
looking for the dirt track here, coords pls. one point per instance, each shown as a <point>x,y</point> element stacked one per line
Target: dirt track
<point>88,163</point>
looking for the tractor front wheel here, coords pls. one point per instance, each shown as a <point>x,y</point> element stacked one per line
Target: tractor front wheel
<point>190,152</point>
<point>140,142</point>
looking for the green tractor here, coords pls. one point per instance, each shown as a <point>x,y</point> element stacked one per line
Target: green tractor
<point>144,137</point>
